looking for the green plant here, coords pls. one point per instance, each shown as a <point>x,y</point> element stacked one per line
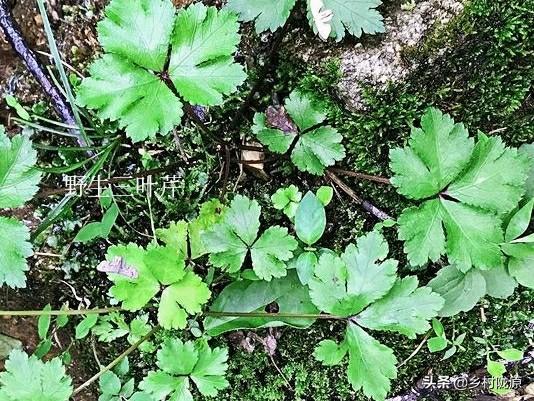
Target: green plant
<point>363,286</point>
<point>100,229</point>
<point>136,78</point>
<point>181,362</point>
<point>440,341</point>
<point>18,183</point>
<point>29,379</point>
<point>328,18</point>
<point>299,128</point>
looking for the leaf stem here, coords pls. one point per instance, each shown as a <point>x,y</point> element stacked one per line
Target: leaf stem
<point>62,312</point>
<point>115,362</point>
<point>279,315</point>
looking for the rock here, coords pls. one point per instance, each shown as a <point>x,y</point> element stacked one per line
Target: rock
<point>381,61</point>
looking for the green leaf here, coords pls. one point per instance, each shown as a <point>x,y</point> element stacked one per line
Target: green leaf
<point>138,31</point>
<point>270,252</point>
<point>330,353</point>
<point>346,286</point>
<point>134,293</point>
<point>43,323</point>
<point>472,236</point>
<point>317,146</point>
<point>441,159</point>
<point>137,98</point>
<point>180,361</point>
<point>371,364</point>
<point>165,264</point>
<point>109,383</point>
<point>437,153</point>
<point>29,379</point>
<point>436,344</point>
<point>356,17</point>
<point>18,178</point>
<point>496,369</point>
<point>201,65</point>
<point>305,266</point>
<point>521,262</point>
<point>318,149</point>
<point>406,309</point>
<point>275,139</point>
<point>519,222</point>
<point>266,15</point>
<point>287,199</point>
<point>438,328</point>
<point>511,354</point>
<point>21,111</point>
<point>310,219</point>
<point>87,323</point>
<point>180,299</point>
<point>421,229</point>
<point>461,291</point>
<point>14,249</point>
<point>99,229</point>
<point>253,296</point>
<point>325,195</point>
<point>494,178</point>
<point>499,284</point>
<point>208,373</point>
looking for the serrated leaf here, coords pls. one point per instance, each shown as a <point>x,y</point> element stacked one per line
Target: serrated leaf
<point>499,284</point>
<point>494,178</point>
<point>275,139</point>
<point>461,291</point>
<point>180,361</point>
<point>137,98</point>
<point>266,15</point>
<point>134,293</point>
<point>346,286</point>
<point>371,364</point>
<point>406,309</point>
<point>310,219</point>
<point>14,249</point>
<point>437,153</point>
<point>29,379</point>
<point>138,30</point>
<point>356,17</point>
<point>180,299</point>
<point>421,229</point>
<point>201,65</point>
<point>18,178</point>
<point>330,353</point>
<point>270,252</point>
<point>471,177</point>
<point>252,296</point>
<point>317,147</point>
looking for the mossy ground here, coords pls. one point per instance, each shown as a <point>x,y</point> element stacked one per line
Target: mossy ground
<point>483,78</point>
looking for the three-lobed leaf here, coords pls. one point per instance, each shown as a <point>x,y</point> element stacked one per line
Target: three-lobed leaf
<point>316,146</point>
<point>129,82</point>
<point>469,188</point>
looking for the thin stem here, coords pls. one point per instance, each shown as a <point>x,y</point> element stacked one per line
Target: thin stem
<point>361,176</point>
<point>115,362</point>
<point>62,312</point>
<point>279,315</point>
<point>365,204</point>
